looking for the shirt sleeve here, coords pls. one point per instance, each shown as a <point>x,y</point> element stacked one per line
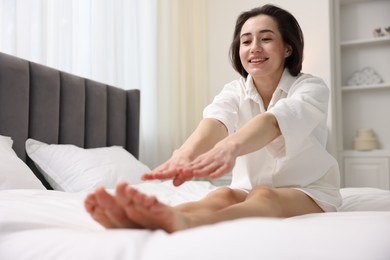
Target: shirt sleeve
<point>303,110</point>
<point>224,107</point>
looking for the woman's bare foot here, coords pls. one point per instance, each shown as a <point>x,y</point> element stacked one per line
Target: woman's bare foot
<point>105,210</point>
<point>148,212</point>
<point>130,208</point>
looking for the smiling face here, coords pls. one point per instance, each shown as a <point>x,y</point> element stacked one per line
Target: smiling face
<point>262,50</point>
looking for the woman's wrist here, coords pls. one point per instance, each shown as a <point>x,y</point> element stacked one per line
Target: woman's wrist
<point>183,154</point>
<point>231,145</point>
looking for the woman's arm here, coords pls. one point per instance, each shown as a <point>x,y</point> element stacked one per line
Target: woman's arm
<point>206,135</point>
<point>254,135</point>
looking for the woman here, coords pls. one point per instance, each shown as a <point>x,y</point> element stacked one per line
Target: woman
<point>268,128</point>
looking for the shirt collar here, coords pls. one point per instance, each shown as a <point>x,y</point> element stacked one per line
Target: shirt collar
<point>285,83</point>
<point>251,90</point>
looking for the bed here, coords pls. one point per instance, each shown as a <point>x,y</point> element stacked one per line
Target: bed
<point>61,136</point>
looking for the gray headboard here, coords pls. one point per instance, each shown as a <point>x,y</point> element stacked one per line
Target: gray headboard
<point>55,107</point>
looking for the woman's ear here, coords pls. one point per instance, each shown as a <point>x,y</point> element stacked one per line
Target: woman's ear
<point>288,51</point>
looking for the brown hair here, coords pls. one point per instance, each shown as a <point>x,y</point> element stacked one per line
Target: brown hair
<point>289,28</point>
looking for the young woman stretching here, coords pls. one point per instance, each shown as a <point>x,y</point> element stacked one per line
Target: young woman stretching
<point>268,128</point>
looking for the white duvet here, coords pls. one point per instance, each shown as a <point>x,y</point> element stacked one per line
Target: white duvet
<point>37,224</point>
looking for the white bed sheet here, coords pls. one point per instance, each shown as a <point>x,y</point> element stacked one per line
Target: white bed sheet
<point>37,224</point>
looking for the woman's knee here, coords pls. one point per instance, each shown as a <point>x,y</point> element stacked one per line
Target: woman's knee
<point>264,192</point>
<point>269,199</point>
<point>227,194</point>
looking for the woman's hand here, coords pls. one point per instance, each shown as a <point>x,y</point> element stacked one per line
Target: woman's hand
<point>171,169</point>
<point>215,163</point>
<point>208,133</point>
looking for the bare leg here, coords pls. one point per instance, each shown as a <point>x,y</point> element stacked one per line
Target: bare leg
<point>221,205</point>
<point>132,209</point>
<point>215,200</point>
<point>261,202</point>
<point>269,202</point>
<point>148,212</point>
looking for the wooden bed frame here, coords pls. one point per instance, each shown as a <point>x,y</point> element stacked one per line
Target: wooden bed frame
<point>56,107</point>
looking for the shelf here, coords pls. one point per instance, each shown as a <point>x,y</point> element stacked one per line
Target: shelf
<point>362,42</point>
<point>345,2</point>
<point>356,48</point>
<point>372,153</point>
<point>366,87</point>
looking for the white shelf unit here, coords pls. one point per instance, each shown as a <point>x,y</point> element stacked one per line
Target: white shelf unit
<point>366,42</point>
<point>362,106</point>
<point>367,169</point>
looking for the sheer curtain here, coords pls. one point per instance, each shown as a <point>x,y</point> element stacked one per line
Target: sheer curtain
<point>183,88</point>
<point>157,46</point>
<point>109,41</point>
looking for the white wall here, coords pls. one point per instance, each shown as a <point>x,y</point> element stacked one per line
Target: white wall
<point>313,16</point>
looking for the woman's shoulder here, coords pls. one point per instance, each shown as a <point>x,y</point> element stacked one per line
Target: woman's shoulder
<point>306,78</point>
<point>309,82</point>
<point>306,84</point>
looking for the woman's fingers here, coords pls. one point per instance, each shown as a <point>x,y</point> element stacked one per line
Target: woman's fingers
<point>221,171</point>
<point>214,164</point>
<point>159,175</point>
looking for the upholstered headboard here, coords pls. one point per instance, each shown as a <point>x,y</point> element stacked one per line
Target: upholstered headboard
<point>60,108</point>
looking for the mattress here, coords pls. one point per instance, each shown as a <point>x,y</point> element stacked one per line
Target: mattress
<point>48,224</point>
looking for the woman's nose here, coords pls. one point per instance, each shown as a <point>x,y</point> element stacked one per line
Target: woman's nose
<point>256,46</point>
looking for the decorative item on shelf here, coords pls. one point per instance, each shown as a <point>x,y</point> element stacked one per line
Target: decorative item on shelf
<point>365,140</point>
<point>377,32</point>
<point>387,29</point>
<point>366,76</point>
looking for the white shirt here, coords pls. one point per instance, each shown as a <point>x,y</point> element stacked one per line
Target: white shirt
<point>298,157</point>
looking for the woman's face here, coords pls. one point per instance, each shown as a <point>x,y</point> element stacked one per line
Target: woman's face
<point>262,50</point>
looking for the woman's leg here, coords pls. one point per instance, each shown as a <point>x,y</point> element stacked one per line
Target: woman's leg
<point>260,202</point>
<point>220,205</point>
<point>131,209</point>
<point>269,202</point>
<point>215,200</point>
<point>149,213</point>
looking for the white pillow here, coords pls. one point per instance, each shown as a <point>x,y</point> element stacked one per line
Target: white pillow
<point>365,199</point>
<point>70,168</point>
<point>14,173</point>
